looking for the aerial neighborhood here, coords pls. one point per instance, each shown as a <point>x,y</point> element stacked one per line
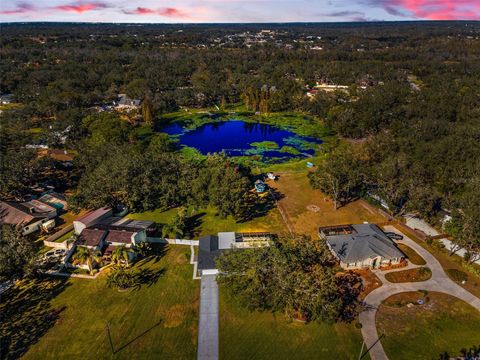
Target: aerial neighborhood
<point>239,191</point>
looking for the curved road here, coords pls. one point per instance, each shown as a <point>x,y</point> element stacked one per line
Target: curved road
<point>439,282</point>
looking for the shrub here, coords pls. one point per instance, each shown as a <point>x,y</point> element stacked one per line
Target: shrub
<point>457,275</point>
<point>121,279</point>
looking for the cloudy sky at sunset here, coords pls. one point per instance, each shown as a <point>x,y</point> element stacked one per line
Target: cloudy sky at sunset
<point>183,11</point>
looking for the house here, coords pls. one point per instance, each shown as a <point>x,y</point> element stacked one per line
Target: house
<point>55,200</point>
<point>125,103</point>
<point>91,218</point>
<point>361,246</point>
<point>6,99</point>
<point>93,239</point>
<point>211,247</point>
<point>28,216</point>
<point>124,237</point>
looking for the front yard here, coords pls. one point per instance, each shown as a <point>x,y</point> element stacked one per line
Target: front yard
<point>257,335</point>
<point>443,323</point>
<point>67,318</point>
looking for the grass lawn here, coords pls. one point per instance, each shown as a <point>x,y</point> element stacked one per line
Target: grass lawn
<point>205,221</point>
<point>296,194</point>
<point>412,255</point>
<point>67,318</point>
<point>444,323</point>
<point>254,335</point>
<point>411,275</point>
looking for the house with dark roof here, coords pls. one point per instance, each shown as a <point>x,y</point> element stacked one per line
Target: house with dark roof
<point>211,246</point>
<point>93,239</point>
<point>361,246</point>
<point>28,216</point>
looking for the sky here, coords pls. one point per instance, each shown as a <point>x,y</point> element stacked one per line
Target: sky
<point>228,11</point>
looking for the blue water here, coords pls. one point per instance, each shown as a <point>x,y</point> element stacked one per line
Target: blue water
<point>234,138</point>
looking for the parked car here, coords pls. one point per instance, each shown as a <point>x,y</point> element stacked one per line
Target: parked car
<point>394,236</point>
<point>60,252</point>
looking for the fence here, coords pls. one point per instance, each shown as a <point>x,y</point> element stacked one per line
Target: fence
<point>172,241</point>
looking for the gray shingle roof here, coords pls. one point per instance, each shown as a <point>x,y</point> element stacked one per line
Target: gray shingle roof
<point>367,241</point>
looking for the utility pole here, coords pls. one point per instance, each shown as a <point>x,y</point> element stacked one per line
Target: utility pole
<point>361,350</point>
<point>368,350</point>
<point>109,337</point>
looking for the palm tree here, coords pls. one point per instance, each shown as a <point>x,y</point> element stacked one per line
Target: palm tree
<point>86,255</point>
<point>119,254</point>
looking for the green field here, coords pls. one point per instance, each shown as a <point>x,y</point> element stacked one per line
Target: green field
<point>444,323</point>
<point>61,319</point>
<point>256,335</point>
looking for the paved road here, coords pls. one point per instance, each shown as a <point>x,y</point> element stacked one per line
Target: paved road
<point>439,282</point>
<point>208,325</point>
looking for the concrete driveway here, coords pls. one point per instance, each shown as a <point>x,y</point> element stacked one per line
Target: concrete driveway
<point>439,282</point>
<point>208,324</point>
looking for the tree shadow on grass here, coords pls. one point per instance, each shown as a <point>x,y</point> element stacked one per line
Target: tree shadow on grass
<point>147,277</point>
<point>26,314</point>
<point>263,205</point>
<point>156,254</point>
<point>193,224</point>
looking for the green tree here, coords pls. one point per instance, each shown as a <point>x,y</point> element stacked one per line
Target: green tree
<point>121,256</point>
<point>294,275</point>
<point>147,111</point>
<point>17,255</point>
<point>339,175</point>
<point>87,256</point>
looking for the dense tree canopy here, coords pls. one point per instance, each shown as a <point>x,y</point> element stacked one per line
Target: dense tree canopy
<point>295,276</point>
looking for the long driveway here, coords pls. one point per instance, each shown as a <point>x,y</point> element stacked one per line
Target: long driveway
<point>208,324</point>
<point>439,282</point>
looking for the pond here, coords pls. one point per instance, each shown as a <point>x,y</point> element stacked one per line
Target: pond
<point>240,138</point>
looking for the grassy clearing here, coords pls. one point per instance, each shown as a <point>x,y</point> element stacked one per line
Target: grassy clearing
<point>205,221</point>
<point>412,255</point>
<point>296,194</point>
<point>67,319</point>
<point>256,335</point>
<point>411,275</point>
<point>444,323</point>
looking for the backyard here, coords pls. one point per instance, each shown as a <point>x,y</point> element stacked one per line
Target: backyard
<point>205,221</point>
<point>67,318</point>
<point>443,323</point>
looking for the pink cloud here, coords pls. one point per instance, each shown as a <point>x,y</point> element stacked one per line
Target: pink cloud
<point>435,9</point>
<point>81,7</point>
<point>20,9</point>
<point>166,12</point>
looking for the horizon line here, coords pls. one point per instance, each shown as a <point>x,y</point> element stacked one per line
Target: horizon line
<point>237,23</point>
